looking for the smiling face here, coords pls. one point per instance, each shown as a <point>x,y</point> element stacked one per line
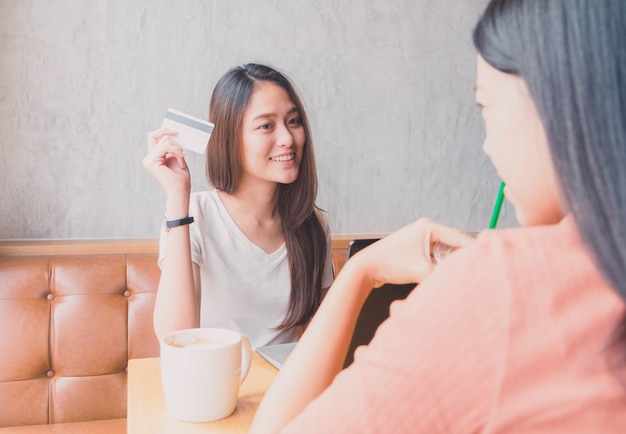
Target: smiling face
<point>272,136</point>
<point>516,143</point>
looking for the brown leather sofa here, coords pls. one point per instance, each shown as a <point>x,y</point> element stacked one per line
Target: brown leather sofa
<point>68,325</point>
<point>72,313</point>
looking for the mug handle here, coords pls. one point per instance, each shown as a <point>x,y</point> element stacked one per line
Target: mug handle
<point>246,357</point>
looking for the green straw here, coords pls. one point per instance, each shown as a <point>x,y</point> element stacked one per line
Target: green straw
<point>496,208</point>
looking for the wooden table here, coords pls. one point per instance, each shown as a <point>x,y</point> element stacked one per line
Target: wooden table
<point>147,412</point>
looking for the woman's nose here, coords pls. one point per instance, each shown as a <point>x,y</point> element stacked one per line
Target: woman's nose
<point>284,136</point>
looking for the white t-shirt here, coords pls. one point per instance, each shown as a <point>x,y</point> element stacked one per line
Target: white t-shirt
<point>243,288</point>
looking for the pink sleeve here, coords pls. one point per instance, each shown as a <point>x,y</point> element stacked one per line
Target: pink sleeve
<point>435,366</point>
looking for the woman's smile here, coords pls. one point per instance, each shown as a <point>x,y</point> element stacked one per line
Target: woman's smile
<point>284,157</point>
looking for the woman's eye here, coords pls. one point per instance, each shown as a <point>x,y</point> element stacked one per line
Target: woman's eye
<point>265,126</point>
<point>294,122</point>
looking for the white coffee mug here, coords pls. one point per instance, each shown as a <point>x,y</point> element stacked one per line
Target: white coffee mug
<point>201,370</point>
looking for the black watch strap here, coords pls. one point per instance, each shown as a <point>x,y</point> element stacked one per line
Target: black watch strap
<point>170,224</point>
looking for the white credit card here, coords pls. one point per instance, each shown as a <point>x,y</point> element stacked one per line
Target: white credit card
<point>192,133</point>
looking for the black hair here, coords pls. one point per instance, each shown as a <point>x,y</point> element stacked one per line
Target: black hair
<point>305,236</point>
<point>572,56</point>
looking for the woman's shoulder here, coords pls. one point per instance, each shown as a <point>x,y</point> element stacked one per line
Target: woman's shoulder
<point>522,263</point>
<point>203,196</point>
<point>532,270</point>
<point>549,249</point>
<point>205,206</point>
<point>201,200</point>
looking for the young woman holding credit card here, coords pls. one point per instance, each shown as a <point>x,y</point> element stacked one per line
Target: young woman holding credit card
<point>524,329</point>
<point>257,256</point>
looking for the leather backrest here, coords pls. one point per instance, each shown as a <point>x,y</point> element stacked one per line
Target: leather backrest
<point>68,325</point>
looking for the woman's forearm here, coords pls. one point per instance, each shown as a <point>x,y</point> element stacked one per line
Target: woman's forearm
<point>176,305</point>
<point>319,355</point>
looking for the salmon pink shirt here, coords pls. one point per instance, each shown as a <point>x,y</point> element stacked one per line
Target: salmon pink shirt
<point>509,335</point>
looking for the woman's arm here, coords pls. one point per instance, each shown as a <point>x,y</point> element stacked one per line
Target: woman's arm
<point>402,257</point>
<point>307,373</point>
<point>177,301</point>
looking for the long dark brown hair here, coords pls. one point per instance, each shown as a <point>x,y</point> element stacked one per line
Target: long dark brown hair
<point>305,237</point>
<point>572,56</point>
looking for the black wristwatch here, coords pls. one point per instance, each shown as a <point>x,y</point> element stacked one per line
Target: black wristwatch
<point>170,224</point>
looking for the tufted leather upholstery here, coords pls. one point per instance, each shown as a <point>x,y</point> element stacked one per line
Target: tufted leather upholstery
<point>72,314</point>
<point>68,325</point>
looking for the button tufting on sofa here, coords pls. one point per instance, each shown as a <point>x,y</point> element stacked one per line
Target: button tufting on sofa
<point>72,313</point>
<point>69,325</point>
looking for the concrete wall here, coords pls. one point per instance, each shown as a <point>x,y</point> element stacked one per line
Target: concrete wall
<point>388,85</point>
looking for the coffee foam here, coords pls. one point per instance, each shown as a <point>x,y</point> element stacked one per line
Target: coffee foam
<point>195,342</point>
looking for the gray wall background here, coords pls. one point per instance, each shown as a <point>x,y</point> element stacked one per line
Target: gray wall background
<point>388,86</point>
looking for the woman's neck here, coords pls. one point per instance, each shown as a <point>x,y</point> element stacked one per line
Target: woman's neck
<point>260,201</point>
<point>255,211</point>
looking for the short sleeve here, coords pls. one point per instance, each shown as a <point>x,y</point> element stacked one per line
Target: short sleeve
<point>195,234</point>
<point>434,366</point>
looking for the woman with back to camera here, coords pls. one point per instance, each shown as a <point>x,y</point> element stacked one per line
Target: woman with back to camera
<point>257,257</point>
<point>524,329</point>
